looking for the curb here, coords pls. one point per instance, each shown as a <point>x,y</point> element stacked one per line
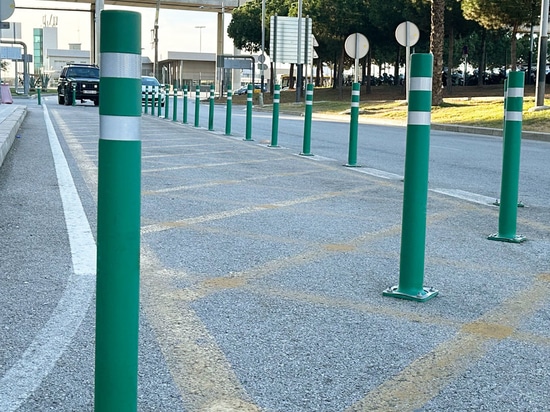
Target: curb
<point>9,127</point>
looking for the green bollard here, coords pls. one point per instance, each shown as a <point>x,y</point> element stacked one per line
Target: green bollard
<point>353,125</point>
<point>146,103</point>
<point>166,101</point>
<point>185,104</point>
<point>275,118</point>
<point>74,94</point>
<point>306,147</point>
<point>249,94</point>
<point>507,220</point>
<point>118,213</point>
<point>415,196</point>
<point>175,111</point>
<point>159,101</point>
<point>197,104</point>
<point>211,111</point>
<point>39,96</point>
<point>228,111</point>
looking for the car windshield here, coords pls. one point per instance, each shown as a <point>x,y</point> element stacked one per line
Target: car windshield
<point>88,72</point>
<point>149,81</point>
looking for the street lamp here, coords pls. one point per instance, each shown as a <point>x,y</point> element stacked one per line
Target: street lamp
<point>200,37</point>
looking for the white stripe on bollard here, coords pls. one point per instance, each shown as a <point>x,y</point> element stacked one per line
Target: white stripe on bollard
<point>125,128</point>
<point>419,118</point>
<point>514,116</point>
<point>515,92</point>
<point>420,83</point>
<point>121,65</point>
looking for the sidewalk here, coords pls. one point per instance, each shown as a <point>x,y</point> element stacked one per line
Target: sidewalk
<point>262,275</point>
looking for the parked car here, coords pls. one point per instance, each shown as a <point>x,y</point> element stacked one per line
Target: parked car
<point>241,90</point>
<point>80,80</point>
<point>151,86</point>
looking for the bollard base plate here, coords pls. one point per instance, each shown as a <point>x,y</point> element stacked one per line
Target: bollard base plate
<point>352,165</point>
<point>306,154</point>
<point>424,295</point>
<point>248,140</point>
<point>515,239</point>
<point>273,145</point>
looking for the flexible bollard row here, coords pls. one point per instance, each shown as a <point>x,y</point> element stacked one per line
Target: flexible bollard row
<point>353,125</point>
<point>275,118</point>
<point>185,97</point>
<point>415,196</point>
<point>306,147</point>
<point>118,213</point>
<point>248,134</point>
<point>211,107</point>
<point>228,111</point>
<point>197,104</point>
<point>507,221</point>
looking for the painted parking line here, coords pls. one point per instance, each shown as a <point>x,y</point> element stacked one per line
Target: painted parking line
<point>39,358</point>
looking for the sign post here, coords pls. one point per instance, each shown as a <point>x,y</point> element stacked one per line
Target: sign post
<point>407,34</point>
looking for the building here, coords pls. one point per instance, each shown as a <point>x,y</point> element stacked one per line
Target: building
<point>184,68</point>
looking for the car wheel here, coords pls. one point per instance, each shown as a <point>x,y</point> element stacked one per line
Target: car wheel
<point>60,99</point>
<point>68,99</point>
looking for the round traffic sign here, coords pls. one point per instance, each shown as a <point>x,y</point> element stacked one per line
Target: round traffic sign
<point>356,46</point>
<point>7,7</point>
<point>407,34</point>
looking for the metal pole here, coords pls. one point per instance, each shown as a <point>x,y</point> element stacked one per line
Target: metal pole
<point>275,118</point>
<point>248,135</point>
<point>228,110</point>
<point>306,147</point>
<point>415,196</point>
<point>211,111</point>
<point>510,162</point>
<point>543,46</point>
<point>354,124</point>
<point>39,96</point>
<point>299,55</point>
<point>118,213</point>
<point>185,104</point>
<point>197,104</point>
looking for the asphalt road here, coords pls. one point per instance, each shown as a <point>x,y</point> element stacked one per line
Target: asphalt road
<point>262,271</point>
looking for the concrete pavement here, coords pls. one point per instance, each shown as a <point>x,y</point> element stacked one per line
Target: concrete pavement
<point>262,279</point>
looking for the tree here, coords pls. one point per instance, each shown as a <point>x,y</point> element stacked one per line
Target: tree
<point>501,14</point>
<point>437,40</point>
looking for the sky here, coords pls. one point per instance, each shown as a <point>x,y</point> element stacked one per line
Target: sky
<point>177,30</point>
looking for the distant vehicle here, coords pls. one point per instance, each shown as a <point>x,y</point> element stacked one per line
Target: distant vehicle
<point>151,86</point>
<point>241,90</point>
<point>82,80</point>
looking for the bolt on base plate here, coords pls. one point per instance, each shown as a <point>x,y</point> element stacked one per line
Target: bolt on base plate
<point>515,239</point>
<point>422,296</point>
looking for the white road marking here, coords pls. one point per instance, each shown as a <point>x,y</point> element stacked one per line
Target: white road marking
<point>26,375</point>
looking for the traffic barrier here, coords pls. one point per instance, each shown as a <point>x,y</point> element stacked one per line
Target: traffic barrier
<point>275,116</point>
<point>185,92</point>
<point>175,111</point>
<point>228,111</point>
<point>211,111</point>
<point>306,146</point>
<point>507,220</point>
<point>118,213</point>
<point>415,196</point>
<point>248,133</point>
<point>197,104</point>
<point>353,125</point>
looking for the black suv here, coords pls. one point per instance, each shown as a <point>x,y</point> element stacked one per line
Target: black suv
<point>84,78</point>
